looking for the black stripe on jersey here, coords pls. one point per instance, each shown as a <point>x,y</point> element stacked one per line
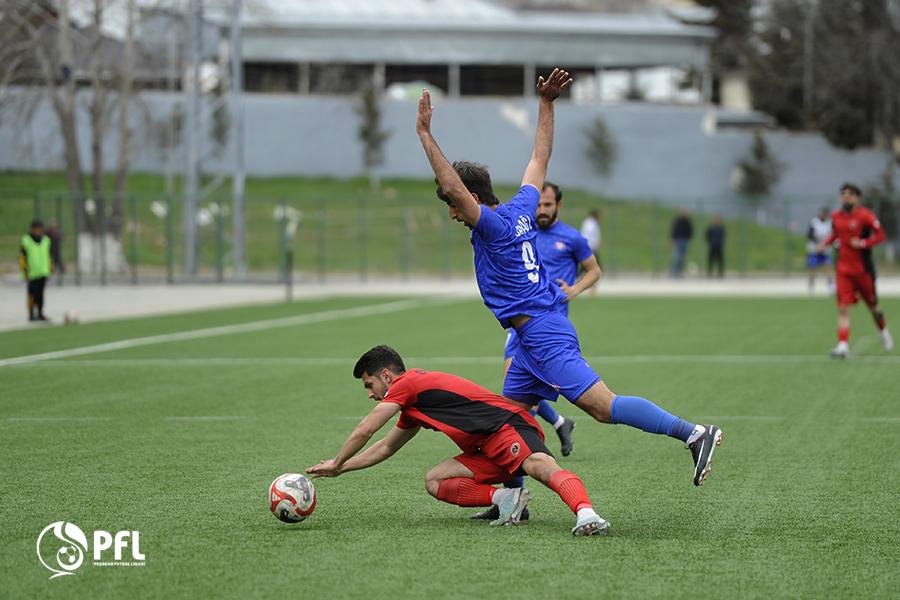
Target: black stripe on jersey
<point>866,253</point>
<point>462,413</point>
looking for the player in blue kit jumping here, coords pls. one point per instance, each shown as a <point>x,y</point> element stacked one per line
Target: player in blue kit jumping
<point>516,289</point>
<point>563,250</point>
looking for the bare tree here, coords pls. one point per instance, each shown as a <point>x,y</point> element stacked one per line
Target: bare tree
<point>126,84</point>
<point>32,25</point>
<point>97,107</point>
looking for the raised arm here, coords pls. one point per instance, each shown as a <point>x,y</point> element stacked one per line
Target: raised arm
<point>548,91</point>
<point>363,432</point>
<point>446,175</point>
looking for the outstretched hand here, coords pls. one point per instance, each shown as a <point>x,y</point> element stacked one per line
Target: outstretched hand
<point>555,84</point>
<point>325,468</point>
<point>423,121</point>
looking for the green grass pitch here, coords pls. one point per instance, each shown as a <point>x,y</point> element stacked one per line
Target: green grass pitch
<point>179,440</point>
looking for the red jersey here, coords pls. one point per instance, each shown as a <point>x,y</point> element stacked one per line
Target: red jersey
<point>466,412</point>
<point>859,223</point>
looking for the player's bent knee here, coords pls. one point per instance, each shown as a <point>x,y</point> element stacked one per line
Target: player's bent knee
<point>432,484</point>
<point>540,466</point>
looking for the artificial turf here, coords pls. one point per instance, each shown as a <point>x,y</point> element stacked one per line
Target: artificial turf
<point>180,440</point>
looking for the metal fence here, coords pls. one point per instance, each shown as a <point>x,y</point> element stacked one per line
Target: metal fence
<point>371,235</point>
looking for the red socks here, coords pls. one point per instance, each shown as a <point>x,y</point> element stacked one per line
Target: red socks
<point>879,320</point>
<point>570,489</point>
<point>463,491</point>
<point>843,334</point>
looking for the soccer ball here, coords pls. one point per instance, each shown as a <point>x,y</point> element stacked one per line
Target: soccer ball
<point>292,497</point>
<point>70,317</point>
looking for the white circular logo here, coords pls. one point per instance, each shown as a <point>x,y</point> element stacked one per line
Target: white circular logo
<point>63,552</point>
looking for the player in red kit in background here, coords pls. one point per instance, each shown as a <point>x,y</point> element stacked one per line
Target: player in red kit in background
<point>857,230</point>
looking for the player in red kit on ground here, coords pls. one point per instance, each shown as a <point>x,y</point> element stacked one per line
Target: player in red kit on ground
<point>857,230</point>
<point>499,439</point>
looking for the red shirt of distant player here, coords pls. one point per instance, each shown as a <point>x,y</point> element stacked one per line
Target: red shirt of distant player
<point>855,270</point>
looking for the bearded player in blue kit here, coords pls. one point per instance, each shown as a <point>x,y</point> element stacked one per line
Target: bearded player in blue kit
<point>516,289</point>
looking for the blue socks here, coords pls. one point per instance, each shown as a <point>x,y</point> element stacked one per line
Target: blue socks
<point>546,411</point>
<point>515,482</point>
<point>646,416</point>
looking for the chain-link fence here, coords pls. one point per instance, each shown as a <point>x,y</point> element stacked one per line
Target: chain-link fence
<point>140,236</point>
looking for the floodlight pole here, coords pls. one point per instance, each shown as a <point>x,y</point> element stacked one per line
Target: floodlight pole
<point>237,109</point>
<point>192,130</point>
<point>809,41</point>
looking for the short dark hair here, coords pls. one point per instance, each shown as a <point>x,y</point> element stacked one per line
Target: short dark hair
<point>376,359</point>
<point>556,191</point>
<point>852,188</point>
<point>476,179</point>
<point>37,223</point>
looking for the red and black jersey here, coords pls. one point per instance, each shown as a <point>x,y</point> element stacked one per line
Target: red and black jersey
<point>464,411</point>
<point>858,223</point>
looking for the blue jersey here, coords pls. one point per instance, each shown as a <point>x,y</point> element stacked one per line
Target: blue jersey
<point>507,260</point>
<point>562,248</point>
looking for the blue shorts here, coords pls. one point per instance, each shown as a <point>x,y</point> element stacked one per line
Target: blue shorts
<point>814,261</point>
<point>512,344</point>
<point>547,362</point>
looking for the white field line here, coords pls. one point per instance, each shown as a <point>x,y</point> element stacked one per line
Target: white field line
<point>321,361</point>
<point>761,418</point>
<point>881,420</point>
<point>194,334</point>
<point>201,418</point>
<point>56,419</point>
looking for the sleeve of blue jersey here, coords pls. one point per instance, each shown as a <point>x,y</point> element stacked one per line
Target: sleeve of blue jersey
<point>490,226</point>
<point>580,248</point>
<point>527,197</point>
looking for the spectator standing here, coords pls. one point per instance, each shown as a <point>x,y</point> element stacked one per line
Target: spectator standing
<point>715,241</point>
<point>36,265</point>
<point>816,261</point>
<point>680,234</point>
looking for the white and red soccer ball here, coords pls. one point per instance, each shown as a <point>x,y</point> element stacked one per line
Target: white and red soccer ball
<point>292,497</point>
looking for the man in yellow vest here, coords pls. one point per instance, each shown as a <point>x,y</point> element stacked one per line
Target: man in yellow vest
<point>36,268</point>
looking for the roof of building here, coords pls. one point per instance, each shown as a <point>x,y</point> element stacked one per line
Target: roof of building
<point>462,31</point>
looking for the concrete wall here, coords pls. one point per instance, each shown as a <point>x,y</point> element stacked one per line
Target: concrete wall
<point>664,152</point>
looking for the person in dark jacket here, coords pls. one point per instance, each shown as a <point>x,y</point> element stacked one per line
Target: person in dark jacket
<point>681,233</point>
<point>715,241</point>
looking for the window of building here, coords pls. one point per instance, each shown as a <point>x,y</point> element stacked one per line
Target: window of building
<point>436,75</point>
<point>339,78</point>
<point>270,77</point>
<point>491,80</point>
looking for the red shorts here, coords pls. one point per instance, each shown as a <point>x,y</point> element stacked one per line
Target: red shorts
<point>851,287</point>
<point>501,454</point>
